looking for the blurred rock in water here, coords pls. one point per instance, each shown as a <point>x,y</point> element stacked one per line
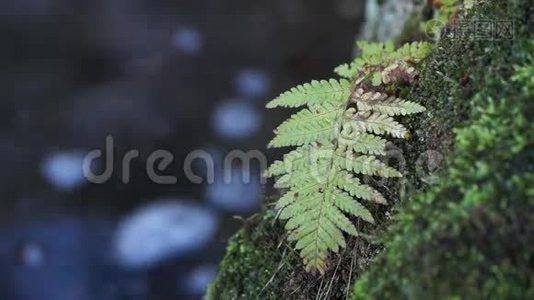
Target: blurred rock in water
<point>63,169</point>
<point>51,258</point>
<point>253,83</point>
<point>198,280</point>
<point>188,40</point>
<point>236,195</point>
<point>162,230</point>
<point>31,254</point>
<point>236,119</point>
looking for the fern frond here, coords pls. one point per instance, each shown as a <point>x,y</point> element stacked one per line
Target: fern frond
<point>346,181</point>
<point>374,54</point>
<point>392,106</point>
<point>377,123</point>
<point>345,71</point>
<point>337,137</point>
<point>415,51</point>
<point>346,203</point>
<point>385,104</point>
<point>316,92</point>
<point>350,71</point>
<point>363,142</point>
<point>363,164</point>
<point>316,226</point>
<point>291,161</point>
<point>311,124</point>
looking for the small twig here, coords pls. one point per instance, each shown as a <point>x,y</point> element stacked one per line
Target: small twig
<point>280,265</point>
<point>319,291</point>
<point>332,280</point>
<point>350,275</point>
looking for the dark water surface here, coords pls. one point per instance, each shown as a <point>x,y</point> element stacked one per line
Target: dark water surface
<point>171,75</point>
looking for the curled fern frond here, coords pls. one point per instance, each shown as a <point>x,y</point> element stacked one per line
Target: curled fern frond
<point>339,136</point>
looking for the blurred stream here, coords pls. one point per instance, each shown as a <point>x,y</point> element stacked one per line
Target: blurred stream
<point>172,75</point>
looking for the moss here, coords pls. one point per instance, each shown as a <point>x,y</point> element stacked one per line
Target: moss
<point>253,264</point>
<point>470,235</point>
<point>448,241</point>
<point>260,265</point>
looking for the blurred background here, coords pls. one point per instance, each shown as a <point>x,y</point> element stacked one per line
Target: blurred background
<point>160,74</point>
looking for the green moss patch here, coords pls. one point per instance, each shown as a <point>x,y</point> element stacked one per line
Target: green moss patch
<point>470,236</point>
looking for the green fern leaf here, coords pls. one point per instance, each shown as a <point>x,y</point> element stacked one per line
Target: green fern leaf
<point>350,71</point>
<point>363,142</point>
<point>377,123</point>
<point>377,79</point>
<point>346,203</point>
<point>374,54</point>
<point>385,104</point>
<point>309,125</point>
<point>316,92</point>
<point>293,160</point>
<point>338,137</point>
<point>365,165</point>
<point>345,70</point>
<point>346,181</point>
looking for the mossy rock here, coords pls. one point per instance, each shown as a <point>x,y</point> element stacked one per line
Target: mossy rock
<point>465,232</point>
<point>253,262</point>
<point>471,235</point>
